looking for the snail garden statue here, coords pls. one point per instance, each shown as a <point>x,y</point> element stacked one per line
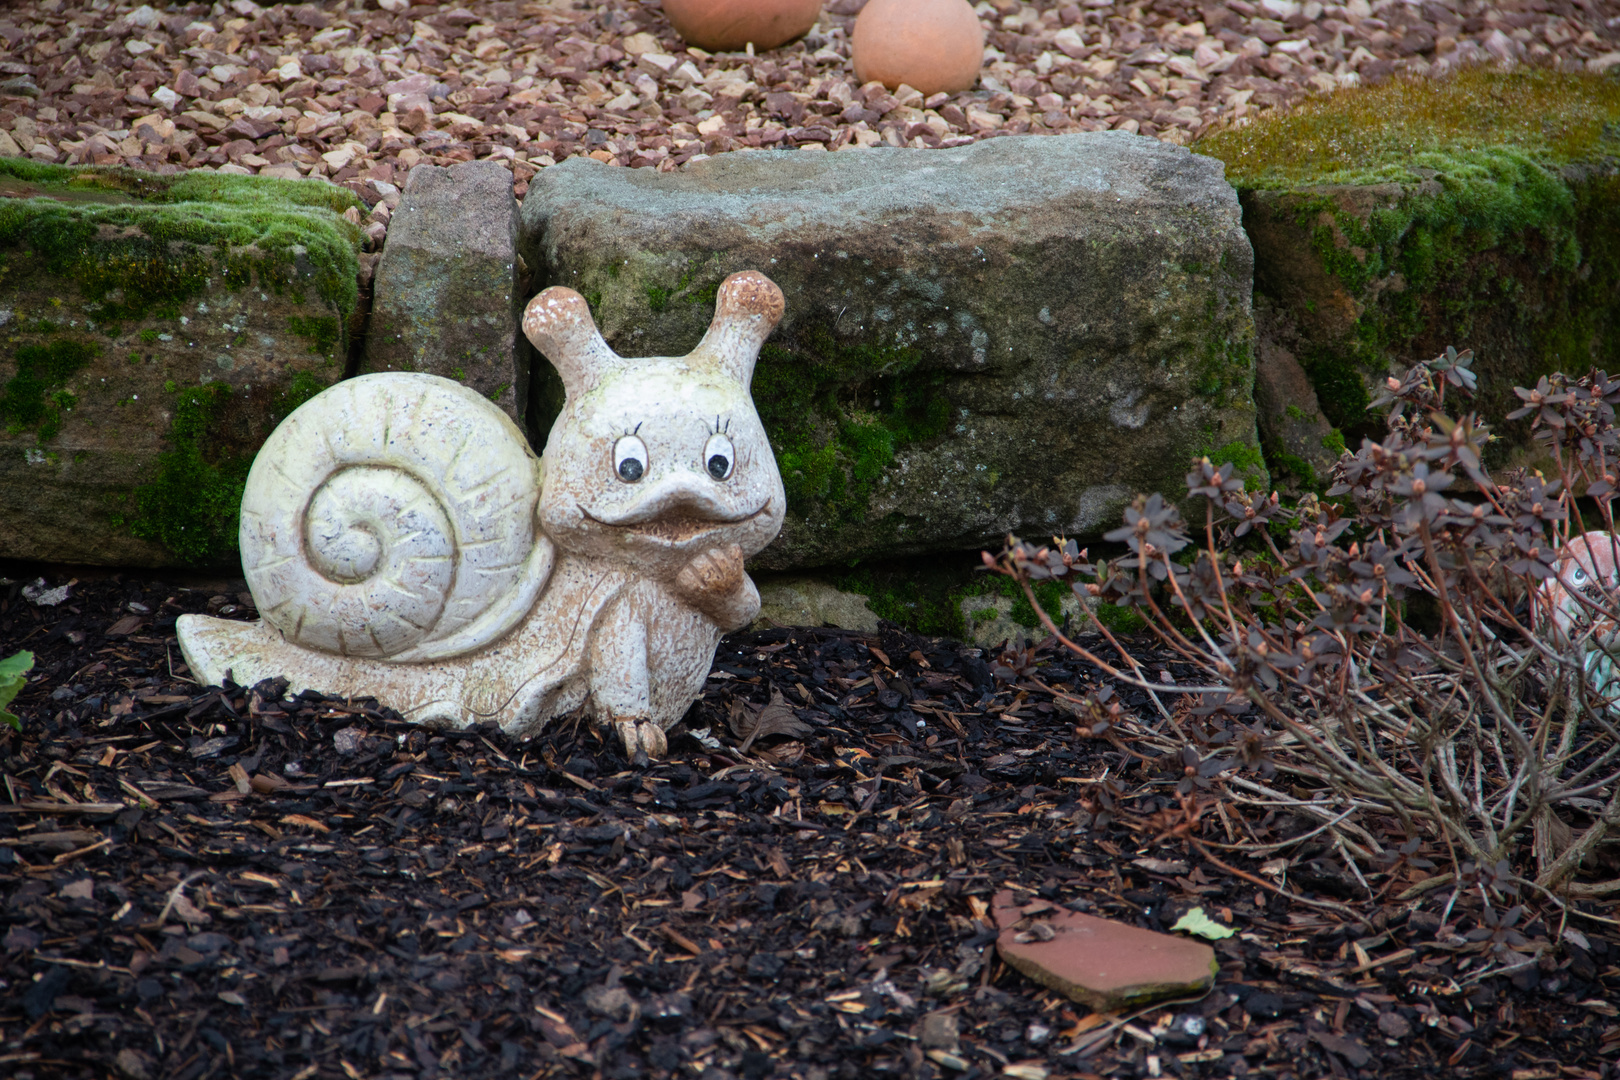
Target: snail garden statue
<point>402,541</point>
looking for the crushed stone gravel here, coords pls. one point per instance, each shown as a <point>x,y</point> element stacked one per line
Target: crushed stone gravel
<point>358,92</point>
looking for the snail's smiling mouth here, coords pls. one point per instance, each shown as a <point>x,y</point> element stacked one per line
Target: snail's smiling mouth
<point>674,528</point>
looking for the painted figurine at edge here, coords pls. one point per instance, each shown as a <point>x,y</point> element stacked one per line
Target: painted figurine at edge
<point>402,541</point>
<point>1583,588</point>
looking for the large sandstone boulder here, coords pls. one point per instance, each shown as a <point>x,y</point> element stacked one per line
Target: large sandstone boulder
<point>1013,336</point>
<point>446,285</point>
<point>153,329</point>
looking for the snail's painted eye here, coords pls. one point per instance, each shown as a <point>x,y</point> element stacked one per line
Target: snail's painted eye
<point>1578,576</point>
<point>630,458</point>
<point>719,456</point>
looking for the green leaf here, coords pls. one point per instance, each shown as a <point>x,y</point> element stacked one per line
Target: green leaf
<point>1196,922</point>
<point>13,677</point>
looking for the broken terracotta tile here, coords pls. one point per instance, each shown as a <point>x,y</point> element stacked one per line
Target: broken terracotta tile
<point>1101,963</point>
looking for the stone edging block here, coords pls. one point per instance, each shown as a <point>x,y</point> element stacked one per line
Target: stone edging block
<point>1013,336</point>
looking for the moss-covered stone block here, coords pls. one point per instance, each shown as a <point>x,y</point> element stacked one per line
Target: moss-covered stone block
<point>1480,211</point>
<point>1014,336</point>
<point>153,329</point>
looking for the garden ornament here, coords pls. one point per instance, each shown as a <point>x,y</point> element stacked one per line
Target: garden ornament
<point>1574,606</point>
<point>734,25</point>
<point>402,541</point>
<point>1586,583</point>
<point>933,46</point>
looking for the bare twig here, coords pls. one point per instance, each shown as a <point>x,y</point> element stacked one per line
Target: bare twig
<point>176,893</point>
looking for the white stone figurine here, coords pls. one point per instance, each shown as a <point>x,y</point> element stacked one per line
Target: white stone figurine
<point>402,541</point>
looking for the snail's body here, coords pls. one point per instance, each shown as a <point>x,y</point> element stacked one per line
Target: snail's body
<point>403,542</point>
<point>619,645</point>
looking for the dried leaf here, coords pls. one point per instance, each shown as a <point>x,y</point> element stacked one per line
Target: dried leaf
<point>776,718</point>
<point>41,595</point>
<point>190,913</point>
<point>786,753</point>
<point>125,626</point>
<point>1196,922</point>
<point>1171,867</point>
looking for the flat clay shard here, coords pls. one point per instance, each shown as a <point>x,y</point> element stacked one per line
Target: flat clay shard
<point>1100,963</point>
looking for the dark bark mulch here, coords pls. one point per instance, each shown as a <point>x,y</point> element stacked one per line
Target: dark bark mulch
<point>202,882</point>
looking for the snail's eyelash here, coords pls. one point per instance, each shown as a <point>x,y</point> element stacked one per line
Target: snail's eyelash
<point>719,428</point>
<point>635,430</point>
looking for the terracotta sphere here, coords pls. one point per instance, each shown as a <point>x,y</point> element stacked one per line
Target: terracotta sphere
<point>930,45</point>
<point>728,25</point>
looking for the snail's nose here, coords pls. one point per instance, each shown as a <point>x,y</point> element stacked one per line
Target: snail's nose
<point>684,494</point>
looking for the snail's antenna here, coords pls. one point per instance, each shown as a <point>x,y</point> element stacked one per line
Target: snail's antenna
<point>559,323</point>
<point>747,308</point>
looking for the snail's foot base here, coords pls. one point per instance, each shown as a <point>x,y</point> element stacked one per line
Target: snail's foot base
<point>437,694</point>
<point>221,649</point>
<point>643,737</point>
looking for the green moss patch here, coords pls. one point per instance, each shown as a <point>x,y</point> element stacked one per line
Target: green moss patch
<point>193,503</point>
<point>191,506</point>
<point>322,332</point>
<point>1226,373</point>
<point>136,258</point>
<point>1121,620</point>
<point>1246,460</point>
<point>837,413</point>
<point>34,397</point>
<point>21,177</point>
<point>697,285</point>
<point>1388,132</point>
<point>300,388</point>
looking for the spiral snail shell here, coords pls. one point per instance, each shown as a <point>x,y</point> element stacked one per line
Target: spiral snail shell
<point>393,517</point>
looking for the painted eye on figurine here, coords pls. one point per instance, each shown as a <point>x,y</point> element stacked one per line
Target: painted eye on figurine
<point>1578,576</point>
<point>719,456</point>
<point>630,458</point>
